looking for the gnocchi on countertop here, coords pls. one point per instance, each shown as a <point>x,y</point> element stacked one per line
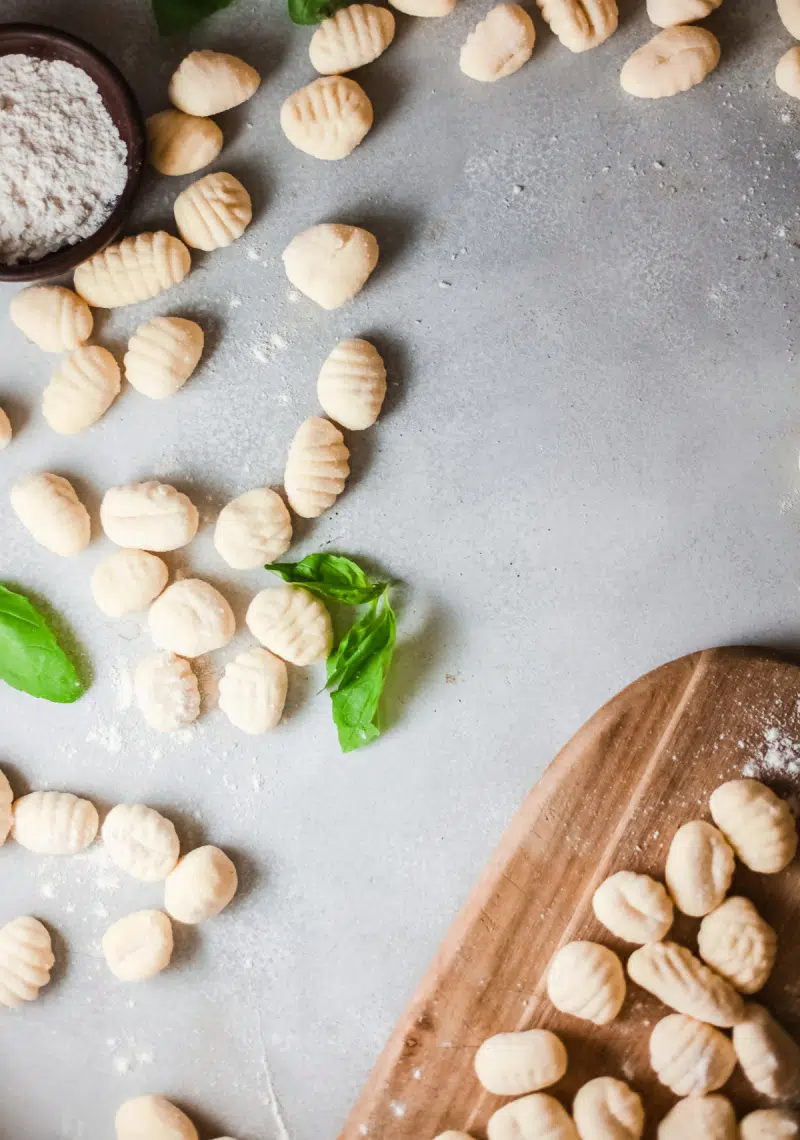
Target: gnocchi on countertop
<point>166,692</point>
<point>291,623</point>
<point>26,959</point>
<point>499,45</point>
<point>162,355</point>
<point>588,981</point>
<point>328,118</point>
<point>135,269</point>
<point>209,82</point>
<point>48,507</point>
<point>213,212</point>
<point>181,144</point>
<point>52,317</point>
<point>81,390</point>
<point>350,38</point>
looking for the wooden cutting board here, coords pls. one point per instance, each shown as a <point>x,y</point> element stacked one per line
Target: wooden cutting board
<point>611,800</point>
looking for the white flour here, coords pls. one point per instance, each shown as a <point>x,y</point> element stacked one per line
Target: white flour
<point>62,161</point>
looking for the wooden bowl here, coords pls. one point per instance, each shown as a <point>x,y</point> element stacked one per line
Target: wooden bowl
<point>49,43</point>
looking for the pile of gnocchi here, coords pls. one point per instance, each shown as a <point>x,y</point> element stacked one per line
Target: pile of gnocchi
<point>706,992</point>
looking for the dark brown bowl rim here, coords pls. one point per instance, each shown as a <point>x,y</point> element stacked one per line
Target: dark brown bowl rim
<point>63,260</point>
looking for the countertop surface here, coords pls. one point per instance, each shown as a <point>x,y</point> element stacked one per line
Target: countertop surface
<point>587,465</point>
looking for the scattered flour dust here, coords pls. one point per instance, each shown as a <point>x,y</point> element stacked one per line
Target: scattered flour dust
<point>779,755</point>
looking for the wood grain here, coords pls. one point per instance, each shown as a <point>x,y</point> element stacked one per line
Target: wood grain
<point>611,800</point>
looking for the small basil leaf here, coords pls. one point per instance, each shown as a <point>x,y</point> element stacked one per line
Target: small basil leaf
<point>366,637</point>
<point>331,577</point>
<point>312,11</point>
<point>356,702</point>
<point>30,657</point>
<point>173,16</point>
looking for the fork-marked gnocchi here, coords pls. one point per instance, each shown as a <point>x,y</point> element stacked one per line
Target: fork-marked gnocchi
<point>134,269</point>
<point>252,691</point>
<point>54,823</point>
<point>685,984</point>
<point>352,37</point>
<point>352,384</point>
<point>701,1118</point>
<point>291,623</point>
<point>607,1109</point>
<point>588,981</point>
<point>149,516</point>
<point>690,1057</point>
<point>166,692</point>
<point>48,507</point>
<point>162,355</point>
<point>330,263</point>
<point>634,907</point>
<point>26,959</point>
<point>758,824</point>
<point>54,318</point>
<point>671,62</point>
<point>209,82</point>
<point>510,1064</point>
<point>253,529</point>
<point>499,45</point>
<point>767,1055</point>
<point>328,118</point>
<point>213,212</point>
<point>317,467</point>
<point>736,942</point>
<point>581,24</point>
<point>699,869</point>
<point>81,390</point>
<point>141,841</point>
<point>537,1115</point>
<point>178,143</point>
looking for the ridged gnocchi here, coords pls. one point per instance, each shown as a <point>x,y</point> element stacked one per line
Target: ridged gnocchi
<point>149,516</point>
<point>510,1064</point>
<point>26,959</point>
<point>537,1115</point>
<point>352,384</point>
<point>166,692</point>
<point>769,1124</point>
<point>54,823</point>
<point>253,529</point>
<point>6,812</point>
<point>178,143</point>
<point>633,907</point>
<point>787,72</point>
<point>152,1118</point>
<point>587,980</point>
<point>135,269</point>
<point>328,118</point>
<point>685,984</point>
<point>671,62</point>
<point>213,212</point>
<point>768,1056</point>
<point>141,842</point>
<point>499,45</point>
<point>162,355</point>
<point>81,390</point>
<point>209,82</point>
<point>252,691</point>
<point>291,623</point>
<point>138,946</point>
<point>690,1057</point>
<point>127,581</point>
<point>607,1109</point>
<point>736,942</point>
<point>351,37</point>
<point>668,13</point>
<point>701,1118</point>
<point>758,824</point>
<point>190,618</point>
<point>699,869</point>
<point>202,885</point>
<point>330,263</point>
<point>6,431</point>
<point>54,318</point>
<point>581,24</point>
<point>48,507</point>
<point>317,467</point>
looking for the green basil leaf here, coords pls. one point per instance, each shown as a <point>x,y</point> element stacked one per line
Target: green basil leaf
<point>331,577</point>
<point>30,657</point>
<point>367,636</point>
<point>312,11</point>
<point>356,702</point>
<point>173,16</point>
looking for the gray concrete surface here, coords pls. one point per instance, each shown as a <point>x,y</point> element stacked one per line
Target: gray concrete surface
<point>588,465</point>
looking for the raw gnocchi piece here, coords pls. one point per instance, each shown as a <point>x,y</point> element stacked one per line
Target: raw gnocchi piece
<point>668,13</point>
<point>701,1118</point>
<point>213,212</point>
<point>26,959</point>
<point>190,618</point>
<point>510,1064</point>
<point>178,143</point>
<point>328,118</point>
<point>81,390</point>
<point>202,885</point>
<point>252,691</point>
<point>54,318</point>
<point>634,907</point>
<point>317,467</point>
<point>352,37</point>
<point>6,812</point>
<point>769,1124</point>
<point>699,869</point>
<point>736,942</point>
<point>330,263</point>
<point>134,269</point>
<point>149,516</point>
<point>127,581</point>
<point>587,980</point>
<point>768,1056</point>
<point>685,984</point>
<point>291,623</point>
<point>581,24</point>
<point>166,692</point>
<point>672,61</point>
<point>425,8</point>
<point>690,1057</point>
<point>530,1118</point>
<point>758,824</point>
<point>787,73</point>
<point>209,82</point>
<point>789,12</point>
<point>139,945</point>
<point>50,510</point>
<point>453,1135</point>
<point>352,384</point>
<point>141,841</point>
<point>253,529</point>
<point>499,45</point>
<point>54,823</point>
<point>152,1118</point>
<point>5,429</point>
<point>607,1109</point>
<point>162,354</point>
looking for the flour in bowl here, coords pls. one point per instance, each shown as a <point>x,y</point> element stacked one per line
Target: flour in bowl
<point>62,161</point>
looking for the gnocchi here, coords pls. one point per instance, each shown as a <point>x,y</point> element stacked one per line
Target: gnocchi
<point>671,62</point>
<point>141,842</point>
<point>789,12</point>
<point>607,1109</point>
<point>424,8</point>
<point>587,980</point>
<point>139,945</point>
<point>690,1057</point>
<point>190,618</point>
<point>328,118</point>
<point>352,384</point>
<point>252,691</point>
<point>26,959</point>
<point>769,1124</point>
<point>6,812</point>
<point>162,355</point>
<point>209,82</point>
<point>758,824</point>
<point>317,467</point>
<point>152,1118</point>
<point>702,1118</point>
<point>54,823</point>
<point>531,1117</point>
<point>768,1056</point>
<point>149,516</point>
<point>787,73</point>
<point>81,390</point>
<point>6,431</point>
<point>700,866</point>
<point>581,24</point>
<point>499,45</point>
<point>291,623</point>
<point>352,37</point>
<point>202,885</point>
<point>633,907</point>
<point>736,942</point>
<point>253,529</point>
<point>54,318</point>
<point>127,581</point>
<point>668,13</point>
<point>50,510</point>
<point>510,1064</point>
<point>330,263</point>
<point>213,212</point>
<point>135,269</point>
<point>181,144</point>
<point>451,1134</point>
<point>685,984</point>
<point>166,692</point>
